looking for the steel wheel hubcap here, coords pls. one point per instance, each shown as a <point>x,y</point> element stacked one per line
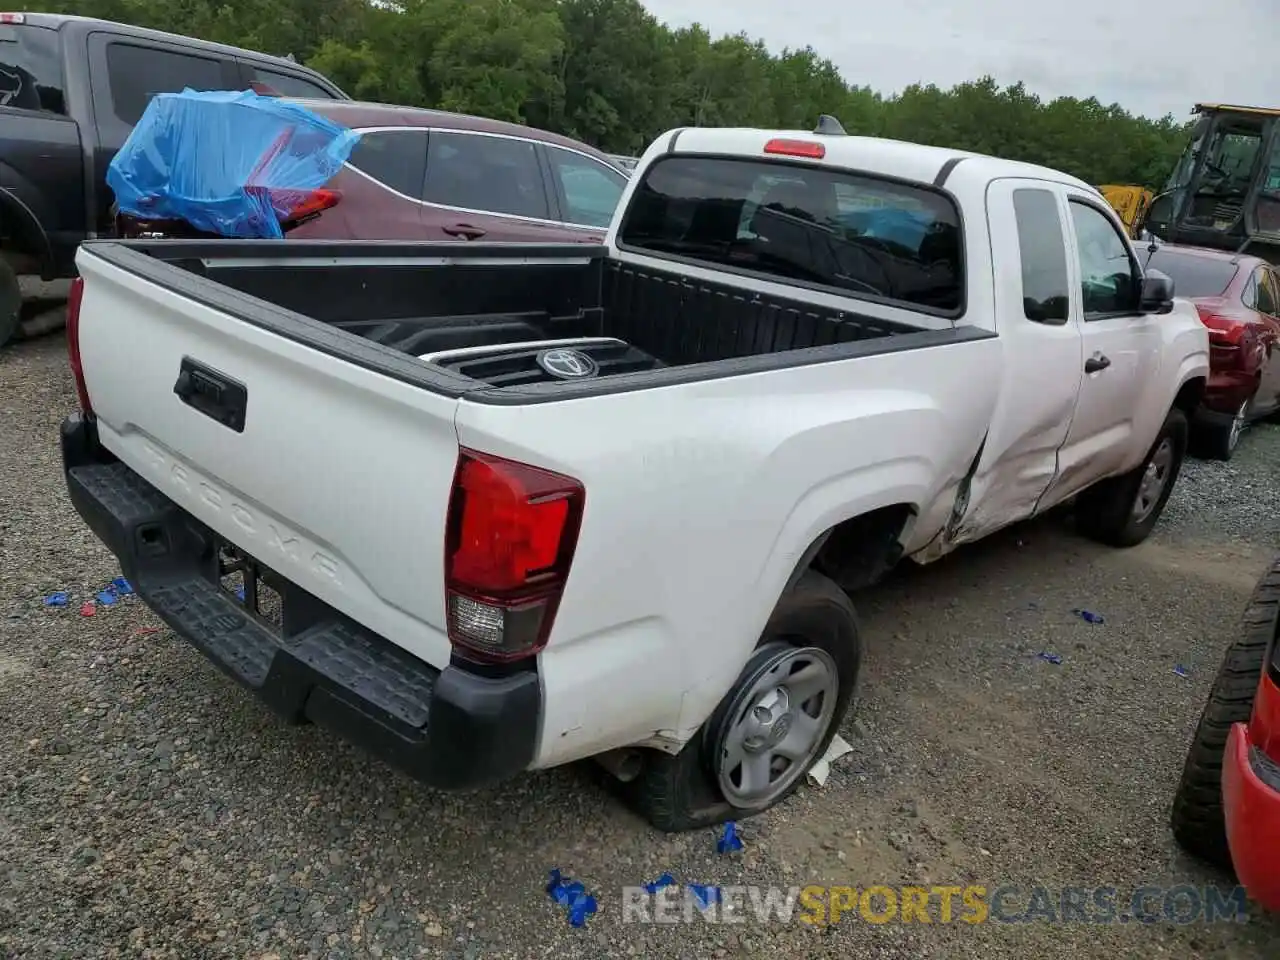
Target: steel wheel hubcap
<point>776,725</point>
<point>1154,479</point>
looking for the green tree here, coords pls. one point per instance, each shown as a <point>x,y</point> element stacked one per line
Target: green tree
<point>607,72</point>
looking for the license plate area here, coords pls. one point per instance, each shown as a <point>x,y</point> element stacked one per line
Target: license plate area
<point>252,586</point>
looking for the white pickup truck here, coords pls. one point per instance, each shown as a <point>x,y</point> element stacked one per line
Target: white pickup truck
<point>496,508</point>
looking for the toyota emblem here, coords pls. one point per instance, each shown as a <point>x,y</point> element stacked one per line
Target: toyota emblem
<point>567,364</point>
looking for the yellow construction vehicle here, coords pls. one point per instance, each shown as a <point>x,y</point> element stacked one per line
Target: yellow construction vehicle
<point>1130,202</point>
<point>1225,189</point>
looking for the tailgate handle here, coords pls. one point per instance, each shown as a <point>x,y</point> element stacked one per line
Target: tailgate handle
<point>214,394</point>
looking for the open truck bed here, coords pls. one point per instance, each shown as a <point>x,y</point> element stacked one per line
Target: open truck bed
<point>471,319</point>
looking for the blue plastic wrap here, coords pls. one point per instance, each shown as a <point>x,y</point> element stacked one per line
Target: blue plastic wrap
<point>231,163</point>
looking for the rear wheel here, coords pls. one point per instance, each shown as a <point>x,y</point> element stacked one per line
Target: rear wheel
<point>1197,815</point>
<point>10,303</point>
<point>774,724</point>
<point>1220,440</point>
<point>1122,511</point>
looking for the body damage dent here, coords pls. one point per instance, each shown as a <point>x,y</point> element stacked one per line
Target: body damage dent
<point>946,539</point>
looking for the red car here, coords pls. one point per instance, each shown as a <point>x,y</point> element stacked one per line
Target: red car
<point>1227,809</point>
<point>429,175</point>
<point>1239,301</point>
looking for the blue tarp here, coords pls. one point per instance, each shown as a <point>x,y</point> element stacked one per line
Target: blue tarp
<point>232,163</point>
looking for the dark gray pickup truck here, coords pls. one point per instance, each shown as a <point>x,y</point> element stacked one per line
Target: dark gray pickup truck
<point>71,90</point>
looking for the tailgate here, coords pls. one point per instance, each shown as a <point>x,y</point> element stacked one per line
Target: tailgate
<point>337,478</point>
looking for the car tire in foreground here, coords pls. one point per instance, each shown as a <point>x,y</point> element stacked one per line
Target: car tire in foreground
<point>1218,441</point>
<point>1197,816</point>
<point>1123,510</point>
<point>771,727</point>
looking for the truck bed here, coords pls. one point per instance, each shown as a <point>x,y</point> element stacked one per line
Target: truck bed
<point>472,319</point>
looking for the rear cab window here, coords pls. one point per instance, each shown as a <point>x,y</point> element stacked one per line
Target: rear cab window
<point>31,69</point>
<point>850,233</point>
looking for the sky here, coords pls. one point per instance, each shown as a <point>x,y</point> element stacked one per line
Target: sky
<point>1150,57</point>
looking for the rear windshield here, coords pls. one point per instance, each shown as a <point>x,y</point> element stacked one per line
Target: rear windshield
<point>31,68</point>
<point>1194,276</point>
<point>861,235</point>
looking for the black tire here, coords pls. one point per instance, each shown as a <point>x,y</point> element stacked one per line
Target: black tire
<point>1218,441</point>
<point>1197,816</point>
<point>1105,512</point>
<point>679,793</point>
<point>10,304</point>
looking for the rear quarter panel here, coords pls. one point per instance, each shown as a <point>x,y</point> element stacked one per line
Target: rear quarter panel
<point>700,500</point>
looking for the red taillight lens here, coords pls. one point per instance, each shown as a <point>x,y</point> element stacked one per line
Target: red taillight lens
<point>512,530</point>
<point>74,298</point>
<point>293,206</point>
<point>796,148</point>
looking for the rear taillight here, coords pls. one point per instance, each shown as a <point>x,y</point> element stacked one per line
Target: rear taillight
<point>294,206</point>
<point>74,298</point>
<point>512,530</point>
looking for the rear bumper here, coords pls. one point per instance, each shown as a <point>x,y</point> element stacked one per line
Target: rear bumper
<point>1251,801</point>
<point>451,728</point>
<point>1223,395</point>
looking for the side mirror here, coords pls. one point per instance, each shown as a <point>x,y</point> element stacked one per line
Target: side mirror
<point>1158,217</point>
<point>1157,293</point>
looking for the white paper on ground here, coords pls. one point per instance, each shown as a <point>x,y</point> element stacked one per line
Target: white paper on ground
<point>819,771</point>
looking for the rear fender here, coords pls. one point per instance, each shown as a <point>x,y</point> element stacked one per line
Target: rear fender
<point>21,226</point>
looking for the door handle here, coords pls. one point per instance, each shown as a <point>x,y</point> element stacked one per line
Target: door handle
<point>1096,363</point>
<point>214,394</point>
<point>464,230</point>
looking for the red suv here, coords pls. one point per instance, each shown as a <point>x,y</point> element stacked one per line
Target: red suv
<point>1238,298</point>
<point>429,175</point>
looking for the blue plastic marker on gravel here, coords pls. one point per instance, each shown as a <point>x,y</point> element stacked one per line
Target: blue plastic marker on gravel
<point>705,895</point>
<point>1089,617</point>
<point>571,894</point>
<point>1051,658</point>
<point>122,586</point>
<point>107,597</point>
<point>729,841</point>
<point>665,880</point>
<point>1182,671</point>
<point>58,599</point>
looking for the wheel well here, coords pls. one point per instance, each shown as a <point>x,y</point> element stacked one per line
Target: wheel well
<point>1189,396</point>
<point>23,242</point>
<point>860,550</point>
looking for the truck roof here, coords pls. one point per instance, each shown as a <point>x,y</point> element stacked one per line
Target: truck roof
<point>60,21</point>
<point>889,158</point>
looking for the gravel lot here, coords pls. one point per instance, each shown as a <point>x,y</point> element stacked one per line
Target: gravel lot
<point>150,808</point>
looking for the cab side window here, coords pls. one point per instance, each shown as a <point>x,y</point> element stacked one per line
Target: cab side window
<point>136,73</point>
<point>1108,275</point>
<point>1046,291</point>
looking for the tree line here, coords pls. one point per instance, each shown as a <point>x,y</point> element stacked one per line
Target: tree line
<point>607,72</point>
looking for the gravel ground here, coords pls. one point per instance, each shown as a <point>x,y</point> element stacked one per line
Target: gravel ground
<point>151,808</point>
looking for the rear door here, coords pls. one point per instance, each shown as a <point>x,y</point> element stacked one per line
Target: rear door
<point>42,205</point>
<point>483,186</point>
<point>1268,306</point>
<point>381,187</point>
<point>1042,356</point>
<point>1122,347</point>
<point>126,73</point>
